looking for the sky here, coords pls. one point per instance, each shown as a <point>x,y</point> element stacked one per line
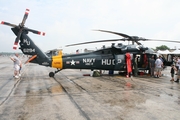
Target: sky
<point>74,21</point>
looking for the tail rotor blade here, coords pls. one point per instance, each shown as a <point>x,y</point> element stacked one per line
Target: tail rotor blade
<point>21,28</point>
<point>6,23</point>
<point>17,40</point>
<point>15,45</point>
<point>25,17</point>
<point>36,32</point>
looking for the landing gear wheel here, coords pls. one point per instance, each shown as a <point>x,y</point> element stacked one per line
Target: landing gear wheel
<point>51,74</point>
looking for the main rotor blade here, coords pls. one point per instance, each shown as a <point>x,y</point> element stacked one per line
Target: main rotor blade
<point>6,23</point>
<point>121,34</point>
<point>25,17</point>
<point>161,40</point>
<point>35,31</point>
<point>96,42</point>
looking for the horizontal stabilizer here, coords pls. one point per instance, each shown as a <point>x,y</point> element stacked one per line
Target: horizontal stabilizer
<point>30,59</point>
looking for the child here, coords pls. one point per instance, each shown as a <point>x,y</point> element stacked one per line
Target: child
<point>173,69</point>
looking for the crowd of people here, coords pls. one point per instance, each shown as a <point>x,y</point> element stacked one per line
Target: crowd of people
<point>156,66</point>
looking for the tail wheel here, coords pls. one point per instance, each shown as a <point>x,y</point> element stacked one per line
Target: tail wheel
<point>51,74</point>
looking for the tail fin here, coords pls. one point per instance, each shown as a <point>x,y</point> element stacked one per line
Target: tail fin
<point>28,47</point>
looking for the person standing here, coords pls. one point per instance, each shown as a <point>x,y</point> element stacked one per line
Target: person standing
<point>178,71</point>
<point>158,67</point>
<point>17,64</point>
<point>160,57</point>
<point>20,68</point>
<point>135,65</point>
<point>152,66</point>
<point>176,63</point>
<point>173,69</point>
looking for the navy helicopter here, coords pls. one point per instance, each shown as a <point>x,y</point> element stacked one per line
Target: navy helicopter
<point>116,57</point>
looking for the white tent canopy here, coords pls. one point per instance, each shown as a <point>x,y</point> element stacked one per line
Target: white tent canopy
<point>175,52</point>
<point>168,52</point>
<point>164,52</point>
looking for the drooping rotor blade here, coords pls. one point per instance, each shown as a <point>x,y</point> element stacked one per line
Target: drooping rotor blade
<point>25,17</point>
<point>95,42</point>
<point>162,40</point>
<point>6,23</point>
<point>129,38</point>
<point>121,34</point>
<point>35,31</point>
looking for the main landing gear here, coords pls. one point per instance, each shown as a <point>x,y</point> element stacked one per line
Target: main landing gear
<point>51,74</point>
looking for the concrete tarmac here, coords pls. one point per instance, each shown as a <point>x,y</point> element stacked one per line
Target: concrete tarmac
<point>72,96</point>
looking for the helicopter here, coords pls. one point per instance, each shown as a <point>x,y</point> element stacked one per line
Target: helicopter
<point>116,57</point>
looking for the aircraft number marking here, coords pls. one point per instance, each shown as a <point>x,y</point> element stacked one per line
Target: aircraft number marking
<point>26,41</point>
<point>110,61</point>
<point>28,50</point>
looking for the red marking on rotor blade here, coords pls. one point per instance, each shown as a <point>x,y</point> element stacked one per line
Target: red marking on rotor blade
<point>15,45</point>
<point>2,22</point>
<point>27,11</point>
<point>41,33</point>
<point>14,48</point>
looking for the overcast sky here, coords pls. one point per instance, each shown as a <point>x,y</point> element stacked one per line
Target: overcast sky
<point>73,21</point>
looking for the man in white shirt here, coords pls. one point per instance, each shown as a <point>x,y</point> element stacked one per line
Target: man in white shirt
<point>17,64</point>
<point>158,67</point>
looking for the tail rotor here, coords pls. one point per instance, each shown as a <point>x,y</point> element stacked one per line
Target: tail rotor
<point>21,27</point>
